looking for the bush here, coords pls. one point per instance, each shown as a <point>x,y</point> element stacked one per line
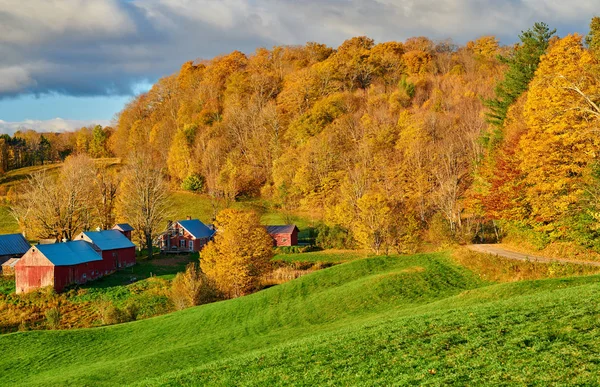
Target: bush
<point>110,314</point>
<point>334,237</point>
<point>192,288</point>
<point>194,183</point>
<point>131,311</point>
<point>53,317</point>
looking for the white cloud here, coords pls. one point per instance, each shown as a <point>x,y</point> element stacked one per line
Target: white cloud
<point>36,21</point>
<point>53,125</point>
<point>14,79</point>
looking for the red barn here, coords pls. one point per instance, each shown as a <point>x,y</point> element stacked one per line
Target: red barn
<point>57,265</point>
<point>116,250</point>
<point>124,228</point>
<point>286,235</point>
<point>185,236</point>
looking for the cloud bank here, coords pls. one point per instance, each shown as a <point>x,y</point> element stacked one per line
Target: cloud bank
<point>53,125</point>
<point>84,48</point>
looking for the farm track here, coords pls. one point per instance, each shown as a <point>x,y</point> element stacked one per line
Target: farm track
<point>502,251</point>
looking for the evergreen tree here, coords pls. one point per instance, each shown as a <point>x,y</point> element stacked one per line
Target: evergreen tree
<point>593,37</point>
<point>521,67</point>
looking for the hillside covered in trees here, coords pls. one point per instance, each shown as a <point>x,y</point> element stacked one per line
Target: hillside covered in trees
<point>386,143</point>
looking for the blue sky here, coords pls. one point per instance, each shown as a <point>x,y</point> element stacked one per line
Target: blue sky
<point>65,63</point>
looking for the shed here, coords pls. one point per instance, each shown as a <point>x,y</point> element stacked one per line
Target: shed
<point>116,249</point>
<point>124,228</point>
<point>188,235</point>
<point>57,265</point>
<point>8,267</point>
<point>12,246</point>
<point>285,235</point>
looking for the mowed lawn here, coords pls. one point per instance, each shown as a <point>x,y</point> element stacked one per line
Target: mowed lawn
<point>205,208</point>
<point>374,321</point>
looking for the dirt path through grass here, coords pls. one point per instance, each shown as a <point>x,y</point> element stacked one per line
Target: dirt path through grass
<point>503,251</point>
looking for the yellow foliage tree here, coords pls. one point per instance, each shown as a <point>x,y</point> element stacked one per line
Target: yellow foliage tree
<point>560,144</point>
<point>240,253</point>
<point>372,227</point>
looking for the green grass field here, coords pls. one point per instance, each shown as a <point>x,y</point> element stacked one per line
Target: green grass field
<point>324,256</point>
<point>375,321</point>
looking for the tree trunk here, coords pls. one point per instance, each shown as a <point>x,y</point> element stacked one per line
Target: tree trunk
<point>149,245</point>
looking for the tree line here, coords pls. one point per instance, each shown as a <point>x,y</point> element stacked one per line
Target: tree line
<point>28,148</point>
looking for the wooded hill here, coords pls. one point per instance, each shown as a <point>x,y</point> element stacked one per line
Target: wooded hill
<point>377,139</point>
<point>388,143</point>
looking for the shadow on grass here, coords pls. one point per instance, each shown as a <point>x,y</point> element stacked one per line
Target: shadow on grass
<point>163,266</point>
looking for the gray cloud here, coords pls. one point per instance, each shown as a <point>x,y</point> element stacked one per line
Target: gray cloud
<point>53,125</point>
<point>81,47</point>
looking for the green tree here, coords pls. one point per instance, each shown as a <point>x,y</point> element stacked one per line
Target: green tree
<point>593,37</point>
<point>522,64</point>
<point>97,146</point>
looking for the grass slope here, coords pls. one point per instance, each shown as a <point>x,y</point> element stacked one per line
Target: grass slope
<point>324,301</point>
<point>383,320</point>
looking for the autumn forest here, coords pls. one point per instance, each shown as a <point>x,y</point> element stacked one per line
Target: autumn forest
<point>388,145</point>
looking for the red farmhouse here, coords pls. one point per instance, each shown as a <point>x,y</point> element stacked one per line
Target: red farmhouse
<point>185,236</point>
<point>284,235</point>
<point>57,265</point>
<point>117,251</point>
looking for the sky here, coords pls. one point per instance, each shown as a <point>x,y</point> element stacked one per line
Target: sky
<point>69,63</point>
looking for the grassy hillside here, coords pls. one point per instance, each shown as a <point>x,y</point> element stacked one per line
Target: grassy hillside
<point>383,320</point>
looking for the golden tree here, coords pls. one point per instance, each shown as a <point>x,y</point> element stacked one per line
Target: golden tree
<point>560,144</point>
<point>240,253</point>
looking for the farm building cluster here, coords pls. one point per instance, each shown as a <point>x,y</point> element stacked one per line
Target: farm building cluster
<point>94,254</point>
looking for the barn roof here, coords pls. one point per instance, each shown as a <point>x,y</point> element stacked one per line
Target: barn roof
<point>108,239</point>
<point>123,227</point>
<point>196,228</point>
<point>284,229</point>
<point>13,244</point>
<point>11,262</point>
<point>69,253</point>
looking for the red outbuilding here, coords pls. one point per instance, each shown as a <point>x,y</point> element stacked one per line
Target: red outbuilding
<point>286,235</point>
<point>117,251</point>
<point>57,265</point>
<point>124,228</point>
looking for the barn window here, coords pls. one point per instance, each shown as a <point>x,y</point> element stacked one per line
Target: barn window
<point>173,232</point>
<point>284,239</point>
<point>181,232</point>
<point>191,245</point>
<point>182,243</point>
<point>84,276</point>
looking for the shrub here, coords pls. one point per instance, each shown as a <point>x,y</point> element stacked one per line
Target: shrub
<point>53,317</point>
<point>131,311</point>
<point>191,288</point>
<point>194,183</point>
<point>334,237</point>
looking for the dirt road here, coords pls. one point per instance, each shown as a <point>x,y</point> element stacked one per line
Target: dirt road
<point>505,252</point>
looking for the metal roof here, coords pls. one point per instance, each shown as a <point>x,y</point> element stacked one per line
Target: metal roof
<point>285,229</point>
<point>11,262</point>
<point>196,228</point>
<point>108,239</point>
<point>13,244</point>
<point>69,253</point>
<point>123,227</point>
